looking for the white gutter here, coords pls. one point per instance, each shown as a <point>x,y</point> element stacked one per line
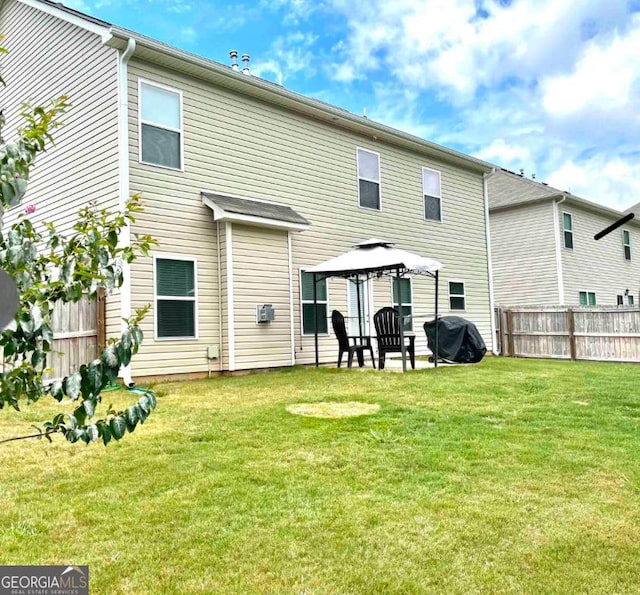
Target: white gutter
<point>124,190</point>
<point>556,233</point>
<point>489,262</point>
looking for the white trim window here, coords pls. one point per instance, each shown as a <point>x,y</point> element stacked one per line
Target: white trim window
<point>432,194</point>
<point>457,296</point>
<point>587,298</point>
<point>626,243</point>
<point>368,179</point>
<point>567,228</point>
<point>176,297</point>
<point>630,299</point>
<point>160,125</point>
<point>306,304</point>
<point>620,299</point>
<point>403,290</point>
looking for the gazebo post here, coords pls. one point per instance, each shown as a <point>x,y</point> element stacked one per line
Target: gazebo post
<point>401,318</point>
<point>435,355</point>
<point>359,305</point>
<point>315,317</point>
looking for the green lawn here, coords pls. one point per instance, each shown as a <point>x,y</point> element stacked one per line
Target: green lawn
<point>511,476</point>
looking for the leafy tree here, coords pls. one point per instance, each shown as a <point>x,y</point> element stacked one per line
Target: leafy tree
<point>50,267</point>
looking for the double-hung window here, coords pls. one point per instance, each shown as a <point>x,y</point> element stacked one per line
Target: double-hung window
<point>176,298</point>
<point>160,125</point>
<point>309,315</point>
<point>630,299</point>
<point>626,242</point>
<point>567,228</point>
<point>587,298</point>
<point>432,192</point>
<point>403,301</point>
<point>457,296</point>
<point>368,179</point>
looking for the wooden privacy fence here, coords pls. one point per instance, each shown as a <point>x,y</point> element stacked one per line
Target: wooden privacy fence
<point>78,335</point>
<point>586,333</point>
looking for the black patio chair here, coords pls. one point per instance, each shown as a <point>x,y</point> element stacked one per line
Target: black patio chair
<point>350,345</point>
<point>387,323</point>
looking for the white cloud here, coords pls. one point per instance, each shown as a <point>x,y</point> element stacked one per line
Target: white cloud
<point>606,77</point>
<point>614,182</point>
<point>289,55</point>
<point>448,45</point>
<point>187,35</point>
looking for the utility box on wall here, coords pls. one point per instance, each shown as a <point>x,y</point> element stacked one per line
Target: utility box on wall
<point>265,313</point>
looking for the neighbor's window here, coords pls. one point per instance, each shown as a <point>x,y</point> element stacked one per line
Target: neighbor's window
<point>160,126</point>
<point>630,300</point>
<point>432,192</point>
<point>369,179</point>
<point>620,300</point>
<point>626,241</point>
<point>308,313</point>
<point>176,299</point>
<point>587,298</point>
<point>456,295</point>
<point>403,301</point>
<point>567,226</point>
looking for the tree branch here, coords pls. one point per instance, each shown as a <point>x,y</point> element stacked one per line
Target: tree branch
<point>39,435</point>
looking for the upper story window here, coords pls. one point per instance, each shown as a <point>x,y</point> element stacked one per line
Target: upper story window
<point>369,179</point>
<point>567,227</point>
<point>160,125</point>
<point>626,242</point>
<point>432,192</point>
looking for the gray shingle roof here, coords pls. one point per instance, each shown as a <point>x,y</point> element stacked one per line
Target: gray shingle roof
<point>256,208</point>
<point>506,189</point>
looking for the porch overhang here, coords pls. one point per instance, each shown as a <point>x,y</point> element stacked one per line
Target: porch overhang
<point>254,212</point>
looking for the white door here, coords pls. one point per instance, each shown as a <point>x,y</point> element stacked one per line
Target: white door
<point>365,294</point>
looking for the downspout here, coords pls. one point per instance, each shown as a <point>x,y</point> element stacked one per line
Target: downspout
<point>123,166</point>
<point>291,329</point>
<point>487,228</point>
<point>220,318</point>
<point>556,233</point>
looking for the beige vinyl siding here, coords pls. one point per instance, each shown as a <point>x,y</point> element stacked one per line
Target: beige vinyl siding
<point>237,145</point>
<point>598,265</point>
<point>48,58</point>
<point>261,276</point>
<point>524,255</point>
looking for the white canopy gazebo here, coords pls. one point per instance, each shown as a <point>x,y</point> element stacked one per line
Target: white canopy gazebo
<point>375,258</point>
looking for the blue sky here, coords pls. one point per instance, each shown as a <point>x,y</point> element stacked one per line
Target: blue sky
<point>550,86</point>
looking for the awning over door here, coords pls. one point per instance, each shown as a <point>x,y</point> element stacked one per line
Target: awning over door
<point>250,211</point>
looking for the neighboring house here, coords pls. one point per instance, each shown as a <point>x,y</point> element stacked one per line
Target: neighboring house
<point>245,184</point>
<point>543,248</point>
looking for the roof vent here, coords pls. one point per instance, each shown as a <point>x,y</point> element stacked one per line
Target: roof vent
<point>233,54</point>
<point>245,63</point>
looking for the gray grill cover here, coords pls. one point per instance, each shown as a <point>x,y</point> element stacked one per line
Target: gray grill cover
<point>458,340</point>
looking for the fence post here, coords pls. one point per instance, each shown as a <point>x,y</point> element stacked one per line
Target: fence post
<point>571,324</point>
<point>101,314</point>
<point>501,331</point>
<point>512,350</point>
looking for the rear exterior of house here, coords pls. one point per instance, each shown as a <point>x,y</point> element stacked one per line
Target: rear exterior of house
<point>544,252</point>
<point>245,185</point>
